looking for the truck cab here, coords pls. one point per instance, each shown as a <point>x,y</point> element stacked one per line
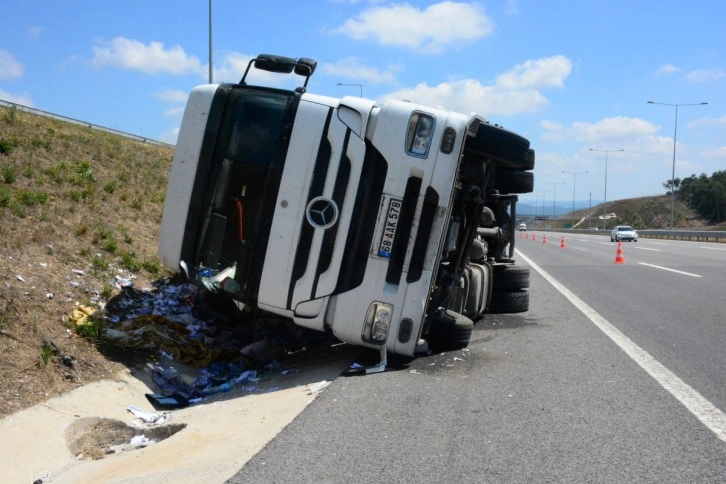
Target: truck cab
<point>384,224</point>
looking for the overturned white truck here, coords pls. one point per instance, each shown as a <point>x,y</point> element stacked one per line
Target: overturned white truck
<point>390,225</point>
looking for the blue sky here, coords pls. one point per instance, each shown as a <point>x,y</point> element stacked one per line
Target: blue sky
<point>570,76</point>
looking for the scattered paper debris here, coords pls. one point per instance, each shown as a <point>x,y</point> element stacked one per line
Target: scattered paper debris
<point>148,417</point>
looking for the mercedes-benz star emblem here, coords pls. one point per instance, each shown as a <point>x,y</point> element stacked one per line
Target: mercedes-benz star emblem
<point>322,212</point>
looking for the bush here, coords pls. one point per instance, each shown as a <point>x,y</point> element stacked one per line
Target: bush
<point>7,145</point>
<point>10,174</point>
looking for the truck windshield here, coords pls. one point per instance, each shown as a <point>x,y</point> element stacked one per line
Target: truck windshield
<point>242,187</point>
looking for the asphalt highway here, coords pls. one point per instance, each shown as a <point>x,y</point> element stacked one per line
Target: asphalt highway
<point>615,374</point>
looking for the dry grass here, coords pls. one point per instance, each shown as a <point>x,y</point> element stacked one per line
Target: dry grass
<point>78,208</point>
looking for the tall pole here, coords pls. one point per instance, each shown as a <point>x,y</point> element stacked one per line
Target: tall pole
<point>605,196</point>
<point>554,198</point>
<point>673,170</point>
<point>574,184</point>
<point>589,213</point>
<point>210,41</point>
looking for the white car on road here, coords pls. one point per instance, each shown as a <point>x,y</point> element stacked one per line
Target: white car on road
<point>623,232</point>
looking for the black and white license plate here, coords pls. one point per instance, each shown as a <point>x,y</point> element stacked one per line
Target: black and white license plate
<point>389,231</point>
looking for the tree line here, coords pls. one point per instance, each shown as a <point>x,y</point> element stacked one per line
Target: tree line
<point>704,194</point>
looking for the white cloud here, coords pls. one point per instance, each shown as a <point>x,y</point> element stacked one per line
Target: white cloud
<point>153,58</point>
<point>174,112</point>
<point>667,69</point>
<point>432,30</point>
<point>708,123</point>
<point>705,75</point>
<point>537,74</point>
<point>619,131</point>
<point>10,68</point>
<point>172,95</point>
<point>515,92</point>
<point>352,68</point>
<point>23,99</point>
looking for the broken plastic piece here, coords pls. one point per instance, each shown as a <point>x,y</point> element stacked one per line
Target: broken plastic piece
<point>381,366</point>
<point>318,387</point>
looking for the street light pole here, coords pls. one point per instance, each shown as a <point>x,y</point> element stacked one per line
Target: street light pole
<point>605,197</point>
<point>210,41</point>
<point>359,85</point>
<point>574,184</point>
<point>554,198</point>
<point>673,170</point>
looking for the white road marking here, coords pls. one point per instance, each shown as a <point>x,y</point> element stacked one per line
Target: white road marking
<point>713,248</point>
<point>672,270</point>
<point>646,248</point>
<point>659,243</point>
<point>709,415</point>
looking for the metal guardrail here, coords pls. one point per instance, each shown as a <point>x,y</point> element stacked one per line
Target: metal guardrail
<point>82,123</point>
<point>692,235</point>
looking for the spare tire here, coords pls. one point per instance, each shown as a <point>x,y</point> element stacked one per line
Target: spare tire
<point>504,147</point>
<point>510,278</point>
<point>513,181</point>
<point>503,302</point>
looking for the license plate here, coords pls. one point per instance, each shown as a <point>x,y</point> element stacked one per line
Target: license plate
<point>389,231</point>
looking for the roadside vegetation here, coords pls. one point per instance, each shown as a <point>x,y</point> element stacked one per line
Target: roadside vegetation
<point>80,210</point>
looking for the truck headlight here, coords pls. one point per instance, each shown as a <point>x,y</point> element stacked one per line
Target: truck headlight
<point>377,323</point>
<point>420,133</point>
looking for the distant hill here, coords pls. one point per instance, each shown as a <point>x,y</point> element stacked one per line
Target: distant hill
<point>652,212</point>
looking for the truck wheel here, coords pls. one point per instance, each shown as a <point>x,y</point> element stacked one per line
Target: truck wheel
<point>503,302</point>
<point>508,278</point>
<point>449,332</point>
<point>513,181</point>
<point>504,147</point>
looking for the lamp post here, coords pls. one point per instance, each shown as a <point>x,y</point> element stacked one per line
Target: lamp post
<point>605,197</point>
<point>673,171</point>
<point>554,198</point>
<point>574,184</point>
<point>210,41</point>
<point>359,86</point>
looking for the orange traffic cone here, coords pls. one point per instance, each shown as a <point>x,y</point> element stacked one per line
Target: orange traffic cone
<point>619,259</point>
<point>544,239</point>
<point>534,236</point>
<point>562,243</point>
<point>526,236</point>
<point>520,234</point>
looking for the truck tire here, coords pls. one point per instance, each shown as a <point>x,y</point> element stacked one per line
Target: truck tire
<point>513,181</point>
<point>449,332</point>
<point>508,278</point>
<point>504,302</point>
<point>503,147</point>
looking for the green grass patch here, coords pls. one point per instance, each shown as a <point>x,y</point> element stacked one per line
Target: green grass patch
<point>46,354</point>
<point>5,197</point>
<point>7,145</point>
<point>151,266</point>
<point>129,262</point>
<point>10,174</point>
<point>99,263</point>
<point>29,198</point>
